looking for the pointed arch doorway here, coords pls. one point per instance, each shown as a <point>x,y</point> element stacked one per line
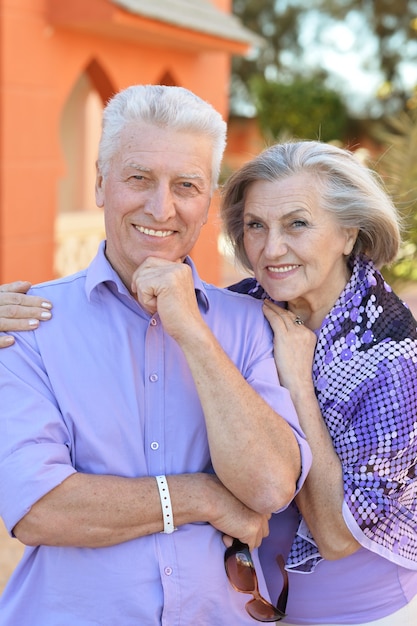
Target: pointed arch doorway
<point>79,223</point>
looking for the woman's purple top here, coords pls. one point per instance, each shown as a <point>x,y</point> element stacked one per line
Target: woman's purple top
<point>365,377</point>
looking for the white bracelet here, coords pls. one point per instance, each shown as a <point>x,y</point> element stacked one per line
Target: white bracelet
<point>166,506</point>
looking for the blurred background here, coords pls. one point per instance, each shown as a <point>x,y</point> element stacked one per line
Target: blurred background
<point>341,71</point>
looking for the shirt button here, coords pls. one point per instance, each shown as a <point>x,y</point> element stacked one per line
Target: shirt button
<point>168,571</point>
<point>153,322</point>
<point>154,445</point>
<point>153,378</point>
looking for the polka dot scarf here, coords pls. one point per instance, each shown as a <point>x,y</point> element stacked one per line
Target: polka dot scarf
<point>365,376</point>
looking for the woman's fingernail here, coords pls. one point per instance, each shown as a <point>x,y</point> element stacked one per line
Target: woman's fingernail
<point>33,322</point>
<point>46,305</point>
<point>46,315</point>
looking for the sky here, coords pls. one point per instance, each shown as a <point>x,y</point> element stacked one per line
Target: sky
<point>349,51</point>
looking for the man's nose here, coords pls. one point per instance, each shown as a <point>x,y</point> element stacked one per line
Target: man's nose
<point>160,204</point>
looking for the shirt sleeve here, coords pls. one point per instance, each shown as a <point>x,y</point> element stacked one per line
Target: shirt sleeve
<point>35,445</point>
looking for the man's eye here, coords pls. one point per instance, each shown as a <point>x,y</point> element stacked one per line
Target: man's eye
<point>188,188</point>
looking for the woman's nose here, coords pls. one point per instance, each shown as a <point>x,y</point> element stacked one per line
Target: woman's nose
<point>275,245</point>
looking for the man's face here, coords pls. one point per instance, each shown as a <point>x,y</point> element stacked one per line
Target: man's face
<point>155,196</point>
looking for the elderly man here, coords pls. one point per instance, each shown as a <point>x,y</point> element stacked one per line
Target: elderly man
<point>148,404</point>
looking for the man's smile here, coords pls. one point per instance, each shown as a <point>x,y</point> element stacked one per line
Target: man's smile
<point>154,233</point>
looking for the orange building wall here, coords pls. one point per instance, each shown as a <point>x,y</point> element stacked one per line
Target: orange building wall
<point>39,64</point>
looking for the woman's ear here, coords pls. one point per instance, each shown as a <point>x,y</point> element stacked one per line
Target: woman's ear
<point>351,237</point>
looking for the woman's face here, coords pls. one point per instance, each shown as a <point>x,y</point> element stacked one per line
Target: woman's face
<point>296,248</point>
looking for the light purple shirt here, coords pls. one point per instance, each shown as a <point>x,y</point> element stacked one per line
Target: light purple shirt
<point>357,589</point>
<point>102,389</point>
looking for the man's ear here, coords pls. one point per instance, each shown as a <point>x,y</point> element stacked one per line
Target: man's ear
<point>99,187</point>
<point>206,213</point>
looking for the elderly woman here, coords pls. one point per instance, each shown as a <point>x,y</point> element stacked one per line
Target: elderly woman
<point>314,226</point>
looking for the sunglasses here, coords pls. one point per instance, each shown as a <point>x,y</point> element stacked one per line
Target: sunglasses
<point>241,573</point>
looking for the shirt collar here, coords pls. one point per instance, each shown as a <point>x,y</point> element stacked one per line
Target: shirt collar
<point>100,271</point>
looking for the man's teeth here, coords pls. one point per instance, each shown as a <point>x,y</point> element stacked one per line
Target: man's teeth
<point>282,269</point>
<point>154,233</point>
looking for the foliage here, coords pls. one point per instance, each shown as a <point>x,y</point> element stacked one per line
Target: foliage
<point>285,78</point>
<point>398,168</point>
<point>304,109</point>
<point>384,31</point>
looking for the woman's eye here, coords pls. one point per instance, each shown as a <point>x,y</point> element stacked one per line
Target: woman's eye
<point>299,223</point>
<point>253,225</point>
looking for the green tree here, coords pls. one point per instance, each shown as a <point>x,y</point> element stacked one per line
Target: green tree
<point>398,168</point>
<point>284,81</point>
<point>304,109</point>
<point>385,31</point>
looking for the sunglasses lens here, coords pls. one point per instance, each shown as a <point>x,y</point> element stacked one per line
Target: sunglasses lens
<point>262,611</point>
<point>240,571</point>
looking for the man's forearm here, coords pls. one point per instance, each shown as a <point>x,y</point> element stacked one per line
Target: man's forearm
<point>253,449</point>
<point>97,511</point>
